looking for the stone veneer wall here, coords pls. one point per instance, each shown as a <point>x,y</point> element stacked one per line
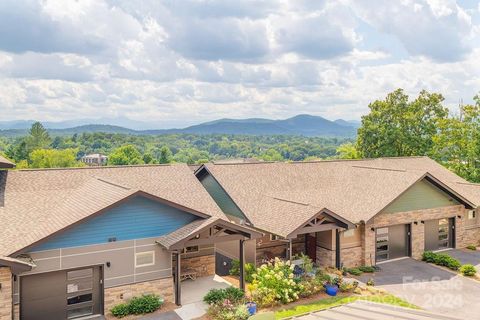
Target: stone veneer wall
<point>325,257</point>
<point>418,230</point>
<point>203,265</point>
<point>472,236</point>
<point>6,292</point>
<point>121,294</point>
<point>351,257</point>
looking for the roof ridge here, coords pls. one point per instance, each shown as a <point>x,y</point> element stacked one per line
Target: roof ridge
<point>100,167</point>
<point>316,161</point>
<point>383,169</point>
<point>112,183</point>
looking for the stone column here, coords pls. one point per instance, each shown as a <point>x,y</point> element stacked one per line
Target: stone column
<point>6,294</point>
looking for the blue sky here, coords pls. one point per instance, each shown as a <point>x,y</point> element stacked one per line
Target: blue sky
<point>173,63</point>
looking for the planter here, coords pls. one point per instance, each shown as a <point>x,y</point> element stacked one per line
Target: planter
<point>331,290</point>
<point>252,308</point>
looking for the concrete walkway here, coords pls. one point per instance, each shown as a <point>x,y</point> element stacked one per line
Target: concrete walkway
<point>429,287</point>
<point>361,310</point>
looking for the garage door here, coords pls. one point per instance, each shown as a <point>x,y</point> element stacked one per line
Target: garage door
<point>71,294</point>
<point>439,234</point>
<point>392,242</point>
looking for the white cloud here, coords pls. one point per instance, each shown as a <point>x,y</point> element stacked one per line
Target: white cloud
<point>176,63</point>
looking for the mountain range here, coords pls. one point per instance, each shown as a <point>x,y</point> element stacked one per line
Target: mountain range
<point>306,125</point>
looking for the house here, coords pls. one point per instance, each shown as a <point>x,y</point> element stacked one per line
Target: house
<point>76,242</point>
<point>345,212</point>
<point>95,159</point>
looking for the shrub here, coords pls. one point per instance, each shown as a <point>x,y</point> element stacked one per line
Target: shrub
<point>232,294</point>
<point>428,256</point>
<point>120,310</point>
<point>138,305</point>
<point>227,310</point>
<point>249,270</point>
<point>441,259</point>
<point>472,247</point>
<point>355,271</point>
<point>370,282</point>
<point>273,283</point>
<point>144,304</point>
<point>348,286</point>
<point>235,295</point>
<point>468,270</point>
<point>214,296</point>
<point>367,269</point>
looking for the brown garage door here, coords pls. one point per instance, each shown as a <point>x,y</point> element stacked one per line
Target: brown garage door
<point>440,234</point>
<point>71,294</point>
<point>392,242</point>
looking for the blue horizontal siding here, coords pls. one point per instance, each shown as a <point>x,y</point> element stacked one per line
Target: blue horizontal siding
<point>138,218</point>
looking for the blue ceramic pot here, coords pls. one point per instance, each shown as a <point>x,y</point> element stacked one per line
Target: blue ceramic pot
<point>331,290</point>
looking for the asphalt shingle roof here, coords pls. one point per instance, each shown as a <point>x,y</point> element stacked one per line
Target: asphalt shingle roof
<point>37,203</point>
<point>276,197</point>
<point>5,163</point>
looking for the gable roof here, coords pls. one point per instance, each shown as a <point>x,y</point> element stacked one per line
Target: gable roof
<point>35,204</point>
<point>275,196</point>
<point>5,163</point>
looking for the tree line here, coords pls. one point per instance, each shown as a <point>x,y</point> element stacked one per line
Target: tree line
<point>395,126</point>
<point>399,126</point>
<point>39,150</point>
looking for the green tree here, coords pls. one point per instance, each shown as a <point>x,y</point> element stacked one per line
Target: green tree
<point>148,158</point>
<point>347,151</point>
<point>271,155</point>
<point>18,152</point>
<point>166,155</point>
<point>38,137</point>
<point>457,143</point>
<point>125,155</point>
<point>51,158</point>
<point>399,127</point>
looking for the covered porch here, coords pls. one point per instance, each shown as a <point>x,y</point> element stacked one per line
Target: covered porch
<point>319,238</point>
<point>198,233</point>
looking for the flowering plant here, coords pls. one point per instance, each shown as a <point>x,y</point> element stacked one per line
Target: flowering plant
<point>274,283</point>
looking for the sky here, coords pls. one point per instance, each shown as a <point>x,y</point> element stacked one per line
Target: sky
<point>172,63</point>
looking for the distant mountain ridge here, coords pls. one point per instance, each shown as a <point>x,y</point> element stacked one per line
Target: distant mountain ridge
<point>304,124</point>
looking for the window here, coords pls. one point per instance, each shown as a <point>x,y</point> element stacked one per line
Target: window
<point>472,214</point>
<point>144,259</point>
<point>274,237</point>
<point>190,249</point>
<point>349,233</point>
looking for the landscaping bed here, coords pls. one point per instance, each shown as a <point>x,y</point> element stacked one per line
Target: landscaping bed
<point>446,261</point>
<point>289,289</point>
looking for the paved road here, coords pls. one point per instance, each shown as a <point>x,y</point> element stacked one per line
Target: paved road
<point>429,287</point>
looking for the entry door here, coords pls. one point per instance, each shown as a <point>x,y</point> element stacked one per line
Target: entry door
<point>311,246</point>
<point>392,242</point>
<point>61,295</point>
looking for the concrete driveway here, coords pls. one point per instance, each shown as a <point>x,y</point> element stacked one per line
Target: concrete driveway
<point>429,287</point>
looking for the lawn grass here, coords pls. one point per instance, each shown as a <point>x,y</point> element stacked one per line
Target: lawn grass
<point>337,301</point>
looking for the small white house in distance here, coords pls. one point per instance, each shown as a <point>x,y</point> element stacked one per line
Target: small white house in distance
<point>95,159</point>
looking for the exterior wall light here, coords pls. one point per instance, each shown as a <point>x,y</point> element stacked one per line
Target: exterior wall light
<point>423,222</point>
<point>108,264</point>
<point>459,217</point>
<point>372,228</point>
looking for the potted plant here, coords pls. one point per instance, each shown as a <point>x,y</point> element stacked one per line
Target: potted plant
<point>252,307</point>
<point>331,286</point>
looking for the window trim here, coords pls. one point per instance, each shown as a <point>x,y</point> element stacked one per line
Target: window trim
<point>473,213</point>
<point>144,253</point>
<point>193,251</point>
